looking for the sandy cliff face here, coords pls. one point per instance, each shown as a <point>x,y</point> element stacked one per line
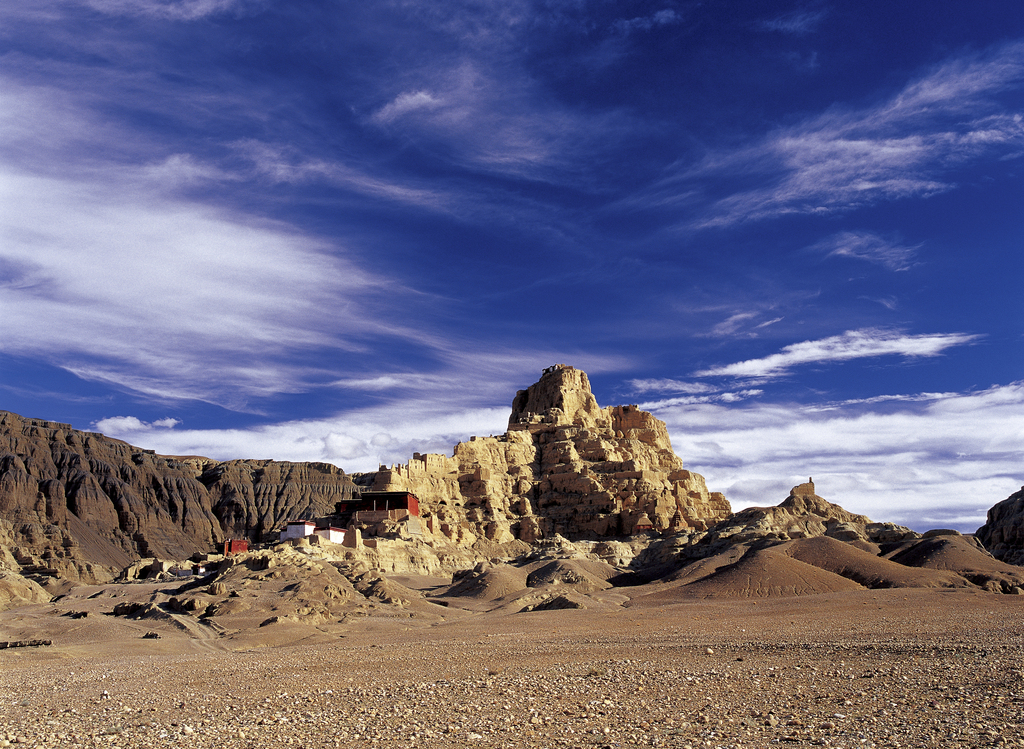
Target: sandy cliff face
<point>565,466</point>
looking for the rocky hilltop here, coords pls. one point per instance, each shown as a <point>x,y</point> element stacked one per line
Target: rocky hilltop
<point>565,467</point>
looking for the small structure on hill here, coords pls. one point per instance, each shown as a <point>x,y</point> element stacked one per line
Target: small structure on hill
<point>235,546</point>
<point>371,508</point>
<point>305,528</point>
<point>298,529</point>
<point>332,534</point>
<point>644,523</point>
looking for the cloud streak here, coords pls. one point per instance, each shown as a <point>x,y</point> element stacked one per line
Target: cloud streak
<point>853,344</point>
<point>869,247</point>
<point>216,307</point>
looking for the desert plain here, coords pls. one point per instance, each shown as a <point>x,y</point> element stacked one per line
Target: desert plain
<point>863,668</point>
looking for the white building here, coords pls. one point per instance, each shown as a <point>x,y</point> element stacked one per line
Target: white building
<point>332,534</point>
<point>298,529</point>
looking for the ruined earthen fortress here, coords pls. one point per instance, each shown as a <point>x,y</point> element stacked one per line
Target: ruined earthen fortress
<point>565,466</point>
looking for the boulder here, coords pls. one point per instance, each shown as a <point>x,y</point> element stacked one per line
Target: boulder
<point>1003,532</point>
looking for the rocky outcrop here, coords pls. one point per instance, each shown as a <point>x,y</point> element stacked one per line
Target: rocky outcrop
<point>803,514</point>
<point>1003,532</point>
<point>16,590</point>
<point>565,466</point>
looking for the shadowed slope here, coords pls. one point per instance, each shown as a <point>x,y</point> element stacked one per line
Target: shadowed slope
<point>760,573</point>
<point>862,567</point>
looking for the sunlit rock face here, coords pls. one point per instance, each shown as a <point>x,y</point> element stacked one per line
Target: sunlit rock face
<point>1003,532</point>
<point>565,466</point>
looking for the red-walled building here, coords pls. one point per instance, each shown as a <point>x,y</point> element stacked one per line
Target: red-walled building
<point>392,503</point>
<point>235,546</point>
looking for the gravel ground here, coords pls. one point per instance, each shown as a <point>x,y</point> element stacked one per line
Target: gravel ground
<point>861,669</point>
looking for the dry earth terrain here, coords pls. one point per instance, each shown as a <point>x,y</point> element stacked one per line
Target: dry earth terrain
<point>861,668</point>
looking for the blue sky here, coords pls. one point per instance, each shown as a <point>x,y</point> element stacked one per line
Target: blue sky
<point>351,231</point>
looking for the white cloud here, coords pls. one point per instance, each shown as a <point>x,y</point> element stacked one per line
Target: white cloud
<point>666,17</point>
<point>404,103</point>
<point>490,115</point>
<point>112,275</point>
<point>169,297</point>
<point>357,441</point>
<point>669,386</point>
<point>130,424</point>
<point>904,398</point>
<point>285,164</point>
<point>925,460</point>
<point>869,247</point>
<point>732,396</point>
<point>853,344</point>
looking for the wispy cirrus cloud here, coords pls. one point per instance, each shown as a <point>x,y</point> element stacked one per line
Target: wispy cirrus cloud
<point>898,398</point>
<point>903,147</point>
<point>216,307</point>
<point>177,10</point>
<point>406,102</point>
<point>283,163</point>
<point>853,344</point>
<point>869,247</point>
<point>740,324</point>
<point>798,23</point>
<point>665,17</point>
<point>729,396</point>
<point>487,115</point>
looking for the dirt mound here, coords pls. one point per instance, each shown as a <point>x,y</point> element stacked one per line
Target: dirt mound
<point>709,565</point>
<point>557,603</point>
<point>956,553</point>
<point>960,554</point>
<point>583,575</point>
<point>865,568</point>
<point>374,585</point>
<point>759,573</point>
<point>487,582</point>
